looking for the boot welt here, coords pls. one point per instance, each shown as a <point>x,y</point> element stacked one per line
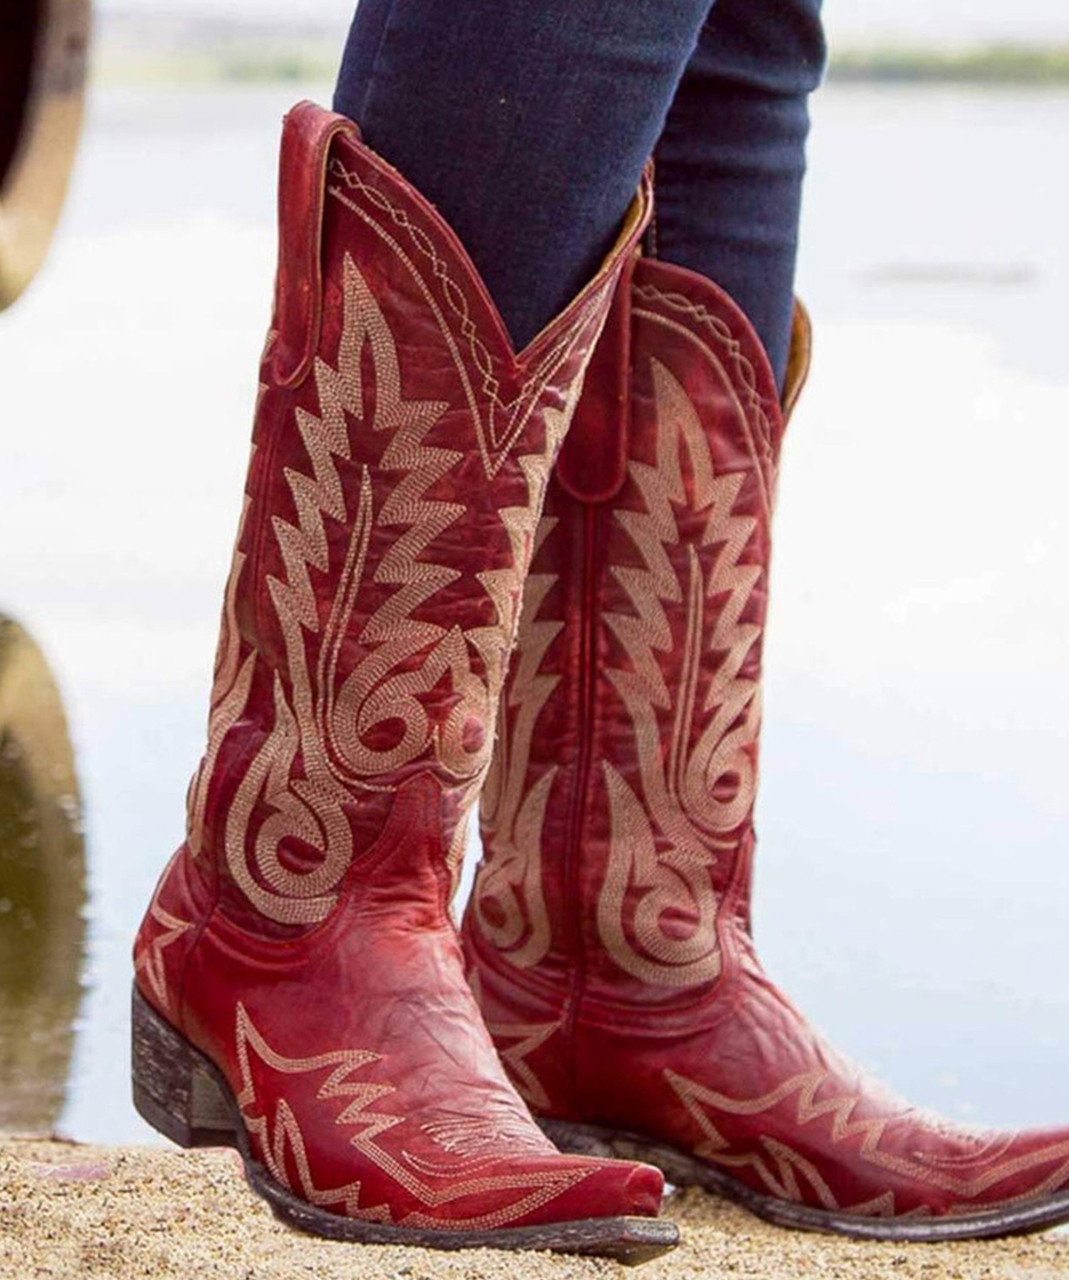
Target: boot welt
<point>683,1170</point>
<point>184,1096</point>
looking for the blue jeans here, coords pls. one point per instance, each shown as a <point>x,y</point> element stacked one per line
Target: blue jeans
<point>528,122</point>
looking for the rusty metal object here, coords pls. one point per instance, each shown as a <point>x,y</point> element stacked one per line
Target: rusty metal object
<point>42,889</point>
<point>42,79</point>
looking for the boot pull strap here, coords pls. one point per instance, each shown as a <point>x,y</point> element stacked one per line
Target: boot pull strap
<point>592,466</point>
<point>798,359</point>
<point>307,134</point>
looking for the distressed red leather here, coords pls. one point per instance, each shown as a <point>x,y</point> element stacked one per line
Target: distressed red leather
<point>608,934</point>
<point>301,937</point>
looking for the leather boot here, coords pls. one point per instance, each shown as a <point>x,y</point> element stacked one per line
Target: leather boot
<point>608,936</point>
<point>299,982</point>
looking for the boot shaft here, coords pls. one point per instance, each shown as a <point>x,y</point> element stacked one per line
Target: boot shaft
<point>400,455</point>
<point>617,820</point>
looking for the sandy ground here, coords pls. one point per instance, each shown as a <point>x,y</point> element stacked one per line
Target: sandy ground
<point>90,1213</point>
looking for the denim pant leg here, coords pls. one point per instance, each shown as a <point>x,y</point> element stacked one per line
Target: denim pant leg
<point>527,122</point>
<point>730,162</point>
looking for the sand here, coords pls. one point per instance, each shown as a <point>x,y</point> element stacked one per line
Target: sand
<point>106,1213</point>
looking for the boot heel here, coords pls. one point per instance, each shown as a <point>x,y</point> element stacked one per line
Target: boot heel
<point>175,1088</point>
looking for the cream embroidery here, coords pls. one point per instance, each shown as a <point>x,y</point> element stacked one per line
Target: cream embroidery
<point>498,429</point>
<point>475,1137</point>
<point>693,796</point>
<point>230,693</point>
<point>703,330</point>
<point>284,1135</point>
<point>311,808</point>
<point>527,1037</point>
<point>432,1185</point>
<point>150,960</point>
<point>326,742</point>
<point>977,1173</point>
<point>508,900</point>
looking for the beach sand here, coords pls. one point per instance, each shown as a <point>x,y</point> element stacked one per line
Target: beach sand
<point>115,1213</point>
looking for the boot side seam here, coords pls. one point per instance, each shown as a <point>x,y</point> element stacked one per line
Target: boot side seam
<point>587,708</point>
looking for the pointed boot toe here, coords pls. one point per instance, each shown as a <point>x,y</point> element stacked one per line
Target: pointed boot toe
<point>621,1188</point>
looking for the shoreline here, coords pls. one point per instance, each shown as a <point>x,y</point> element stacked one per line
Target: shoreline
<point>266,66</point>
<point>79,1212</point>
<point>177,48</point>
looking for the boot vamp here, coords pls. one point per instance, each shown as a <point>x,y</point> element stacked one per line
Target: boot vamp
<point>740,1080</point>
<point>365,1079</point>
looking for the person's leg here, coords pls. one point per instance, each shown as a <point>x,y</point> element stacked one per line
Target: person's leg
<point>527,124</point>
<point>730,161</point>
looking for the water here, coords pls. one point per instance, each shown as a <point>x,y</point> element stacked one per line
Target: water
<point>42,888</point>
<point>913,888</point>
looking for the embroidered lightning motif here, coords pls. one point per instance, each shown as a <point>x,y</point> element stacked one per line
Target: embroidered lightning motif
<point>697,796</point>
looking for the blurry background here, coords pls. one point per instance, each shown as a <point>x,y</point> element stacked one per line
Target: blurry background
<point>913,877</point>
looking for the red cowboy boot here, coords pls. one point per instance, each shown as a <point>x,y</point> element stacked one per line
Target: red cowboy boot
<point>299,983</point>
<point>608,934</point>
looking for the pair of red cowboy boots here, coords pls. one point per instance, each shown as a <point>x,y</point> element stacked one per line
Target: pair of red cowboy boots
<point>300,989</point>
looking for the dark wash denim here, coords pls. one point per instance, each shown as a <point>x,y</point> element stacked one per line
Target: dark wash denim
<point>528,122</point>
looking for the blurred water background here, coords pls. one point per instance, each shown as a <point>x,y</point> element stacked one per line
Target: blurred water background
<point>913,877</point>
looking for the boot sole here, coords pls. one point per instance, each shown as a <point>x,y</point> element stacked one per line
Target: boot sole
<point>683,1170</point>
<point>184,1096</point>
